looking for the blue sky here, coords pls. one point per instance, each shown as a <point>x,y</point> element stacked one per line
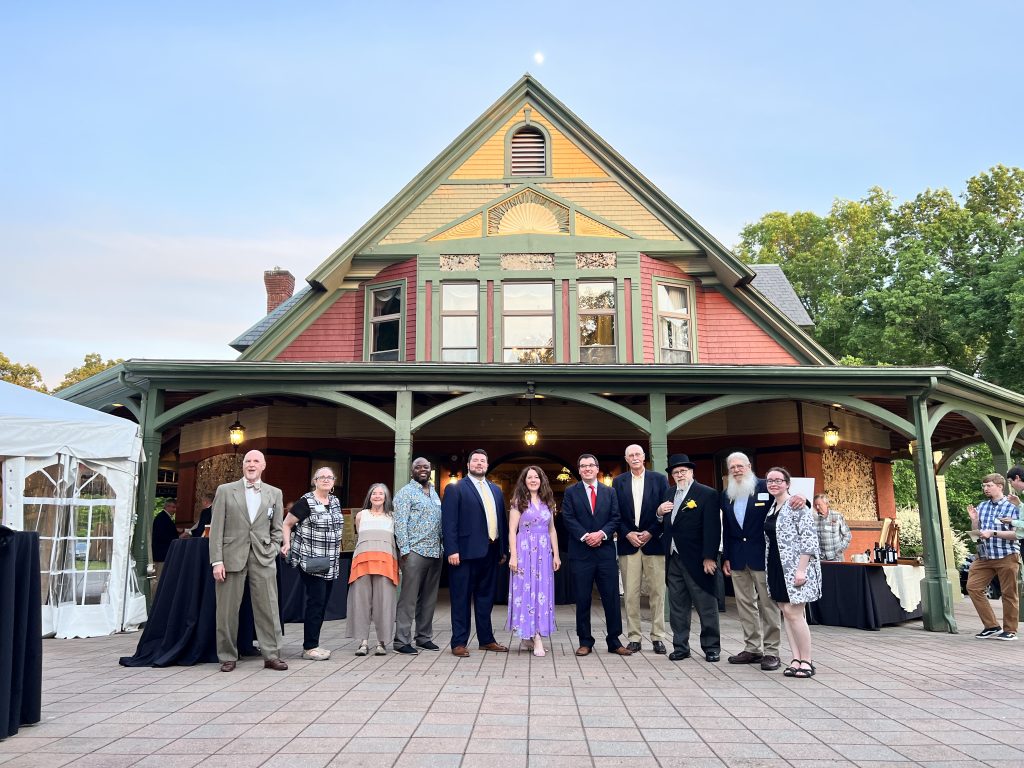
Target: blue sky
<point>155,160</point>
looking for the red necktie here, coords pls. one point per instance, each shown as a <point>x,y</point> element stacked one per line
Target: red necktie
<point>593,499</point>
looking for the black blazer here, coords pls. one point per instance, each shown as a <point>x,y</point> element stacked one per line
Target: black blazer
<point>744,547</point>
<point>655,488</point>
<point>464,522</point>
<point>580,521</point>
<point>696,531</point>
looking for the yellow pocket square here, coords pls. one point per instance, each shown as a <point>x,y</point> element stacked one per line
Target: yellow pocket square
<point>691,504</point>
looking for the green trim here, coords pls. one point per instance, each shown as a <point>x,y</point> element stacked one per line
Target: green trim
<point>368,313</point>
<point>508,149</point>
<point>691,302</point>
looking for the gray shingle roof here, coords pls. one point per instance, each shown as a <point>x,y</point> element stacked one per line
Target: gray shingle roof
<point>252,335</point>
<point>773,284</point>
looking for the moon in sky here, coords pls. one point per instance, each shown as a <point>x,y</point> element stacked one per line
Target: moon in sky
<point>538,57</point>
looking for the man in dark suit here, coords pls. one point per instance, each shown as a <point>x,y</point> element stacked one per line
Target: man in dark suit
<point>692,530</point>
<point>245,538</point>
<point>474,528</point>
<point>638,493</point>
<point>591,514</point>
<point>745,503</point>
<point>205,515</point>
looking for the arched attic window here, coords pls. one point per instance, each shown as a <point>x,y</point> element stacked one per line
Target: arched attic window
<point>528,153</point>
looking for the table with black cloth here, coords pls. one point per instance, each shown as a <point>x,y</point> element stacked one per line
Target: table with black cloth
<point>857,595</point>
<point>21,631</point>
<point>182,625</point>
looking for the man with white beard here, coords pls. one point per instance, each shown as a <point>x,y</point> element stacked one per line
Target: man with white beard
<point>745,503</point>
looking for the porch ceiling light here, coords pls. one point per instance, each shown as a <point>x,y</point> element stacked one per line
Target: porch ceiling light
<point>530,433</point>
<point>830,434</point>
<point>236,432</point>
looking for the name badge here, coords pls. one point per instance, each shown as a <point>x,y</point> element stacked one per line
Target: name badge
<point>319,508</point>
<point>762,497</point>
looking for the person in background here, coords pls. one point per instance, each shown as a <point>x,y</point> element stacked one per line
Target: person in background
<point>205,515</point>
<point>373,582</point>
<point>418,535</point>
<point>164,532</point>
<point>998,556</point>
<point>833,533</point>
<point>792,566</point>
<point>312,532</point>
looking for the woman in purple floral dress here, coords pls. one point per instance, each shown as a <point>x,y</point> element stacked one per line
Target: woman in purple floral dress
<point>533,560</point>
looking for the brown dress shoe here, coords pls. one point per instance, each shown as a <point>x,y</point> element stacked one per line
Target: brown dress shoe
<point>460,650</point>
<point>745,657</point>
<point>769,663</point>
<point>496,647</point>
<point>228,666</point>
<point>275,664</point>
<point>621,651</point>
<point>583,650</point>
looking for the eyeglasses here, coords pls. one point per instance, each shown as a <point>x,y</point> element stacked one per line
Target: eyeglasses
<point>588,466</point>
<point>325,477</point>
<point>775,480</point>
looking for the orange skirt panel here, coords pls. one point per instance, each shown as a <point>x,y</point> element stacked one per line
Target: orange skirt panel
<point>374,563</point>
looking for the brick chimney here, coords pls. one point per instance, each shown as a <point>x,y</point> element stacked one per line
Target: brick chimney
<point>280,284</point>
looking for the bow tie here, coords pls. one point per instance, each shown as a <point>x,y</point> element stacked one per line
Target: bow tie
<point>255,486</point>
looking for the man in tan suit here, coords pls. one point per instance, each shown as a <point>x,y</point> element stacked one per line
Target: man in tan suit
<point>245,537</point>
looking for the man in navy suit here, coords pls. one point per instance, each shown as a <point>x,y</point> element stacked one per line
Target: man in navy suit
<point>638,493</point>
<point>745,503</point>
<point>591,514</point>
<point>475,533</point>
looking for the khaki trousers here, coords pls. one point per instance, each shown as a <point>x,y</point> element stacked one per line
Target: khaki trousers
<point>633,569</point>
<point>263,591</point>
<point>372,599</point>
<point>760,617</point>
<point>982,572</point>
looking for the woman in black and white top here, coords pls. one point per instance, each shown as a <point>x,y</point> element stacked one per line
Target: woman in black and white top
<point>312,543</point>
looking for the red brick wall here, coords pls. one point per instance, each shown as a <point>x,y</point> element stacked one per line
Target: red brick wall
<point>725,335</point>
<point>337,335</point>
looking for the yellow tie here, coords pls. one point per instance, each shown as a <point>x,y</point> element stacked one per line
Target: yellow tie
<point>492,516</point>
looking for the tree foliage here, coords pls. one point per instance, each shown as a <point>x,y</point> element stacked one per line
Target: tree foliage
<point>930,281</point>
<point>92,364</point>
<point>23,375</point>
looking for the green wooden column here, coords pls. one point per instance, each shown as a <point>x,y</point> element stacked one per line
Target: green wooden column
<point>145,499</point>
<point>403,439</point>
<point>936,593</point>
<point>659,433</point>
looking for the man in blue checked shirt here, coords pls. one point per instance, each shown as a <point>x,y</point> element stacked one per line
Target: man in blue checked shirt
<point>998,556</point>
<point>418,535</point>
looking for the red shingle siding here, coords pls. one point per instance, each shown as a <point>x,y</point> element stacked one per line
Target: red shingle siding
<point>337,334</point>
<point>725,335</point>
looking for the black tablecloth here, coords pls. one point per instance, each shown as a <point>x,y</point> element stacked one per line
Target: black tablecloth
<point>857,595</point>
<point>182,625</point>
<point>21,631</point>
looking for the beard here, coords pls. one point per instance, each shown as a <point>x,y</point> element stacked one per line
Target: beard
<point>738,489</point>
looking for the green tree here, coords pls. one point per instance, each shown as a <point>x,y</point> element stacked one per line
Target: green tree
<point>91,365</point>
<point>23,375</point>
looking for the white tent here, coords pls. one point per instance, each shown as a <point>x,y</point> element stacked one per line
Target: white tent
<point>70,472</point>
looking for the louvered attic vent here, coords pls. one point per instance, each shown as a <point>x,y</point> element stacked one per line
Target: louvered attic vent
<point>528,153</point>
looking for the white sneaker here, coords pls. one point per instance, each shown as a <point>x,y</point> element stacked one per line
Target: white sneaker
<point>363,649</point>
<point>380,650</point>
<point>316,654</point>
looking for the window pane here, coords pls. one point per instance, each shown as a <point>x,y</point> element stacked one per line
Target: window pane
<point>528,296</point>
<point>675,333</point>
<point>527,355</point>
<point>596,295</point>
<point>672,299</point>
<point>459,356</point>
<point>528,332</point>
<point>675,356</point>
<point>385,338</point>
<point>597,329</point>
<point>597,355</point>
<point>459,297</point>
<point>458,331</point>
<point>387,301</point>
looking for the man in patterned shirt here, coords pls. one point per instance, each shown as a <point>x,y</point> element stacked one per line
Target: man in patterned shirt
<point>833,532</point>
<point>998,556</point>
<point>418,535</point>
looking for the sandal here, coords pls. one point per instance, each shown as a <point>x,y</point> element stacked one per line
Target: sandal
<point>790,671</point>
<point>803,673</point>
<point>814,669</point>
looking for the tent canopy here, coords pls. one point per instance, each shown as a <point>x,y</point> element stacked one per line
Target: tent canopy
<point>36,425</point>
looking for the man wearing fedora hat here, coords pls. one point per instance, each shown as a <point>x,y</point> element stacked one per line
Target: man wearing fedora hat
<point>692,530</point>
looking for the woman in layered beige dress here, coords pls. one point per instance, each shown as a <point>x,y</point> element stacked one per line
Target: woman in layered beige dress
<point>373,581</point>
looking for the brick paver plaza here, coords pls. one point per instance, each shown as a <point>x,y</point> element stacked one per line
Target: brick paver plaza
<point>901,696</point>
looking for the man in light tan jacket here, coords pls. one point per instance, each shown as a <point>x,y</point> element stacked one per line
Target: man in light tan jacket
<point>245,537</point>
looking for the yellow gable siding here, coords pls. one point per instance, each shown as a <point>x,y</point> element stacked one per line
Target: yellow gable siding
<point>614,204</point>
<point>447,202</point>
<point>567,160</point>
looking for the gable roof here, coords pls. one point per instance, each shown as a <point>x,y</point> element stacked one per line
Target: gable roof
<point>772,282</point>
<point>364,253</point>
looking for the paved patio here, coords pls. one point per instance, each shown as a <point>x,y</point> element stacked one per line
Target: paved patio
<point>901,696</point>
